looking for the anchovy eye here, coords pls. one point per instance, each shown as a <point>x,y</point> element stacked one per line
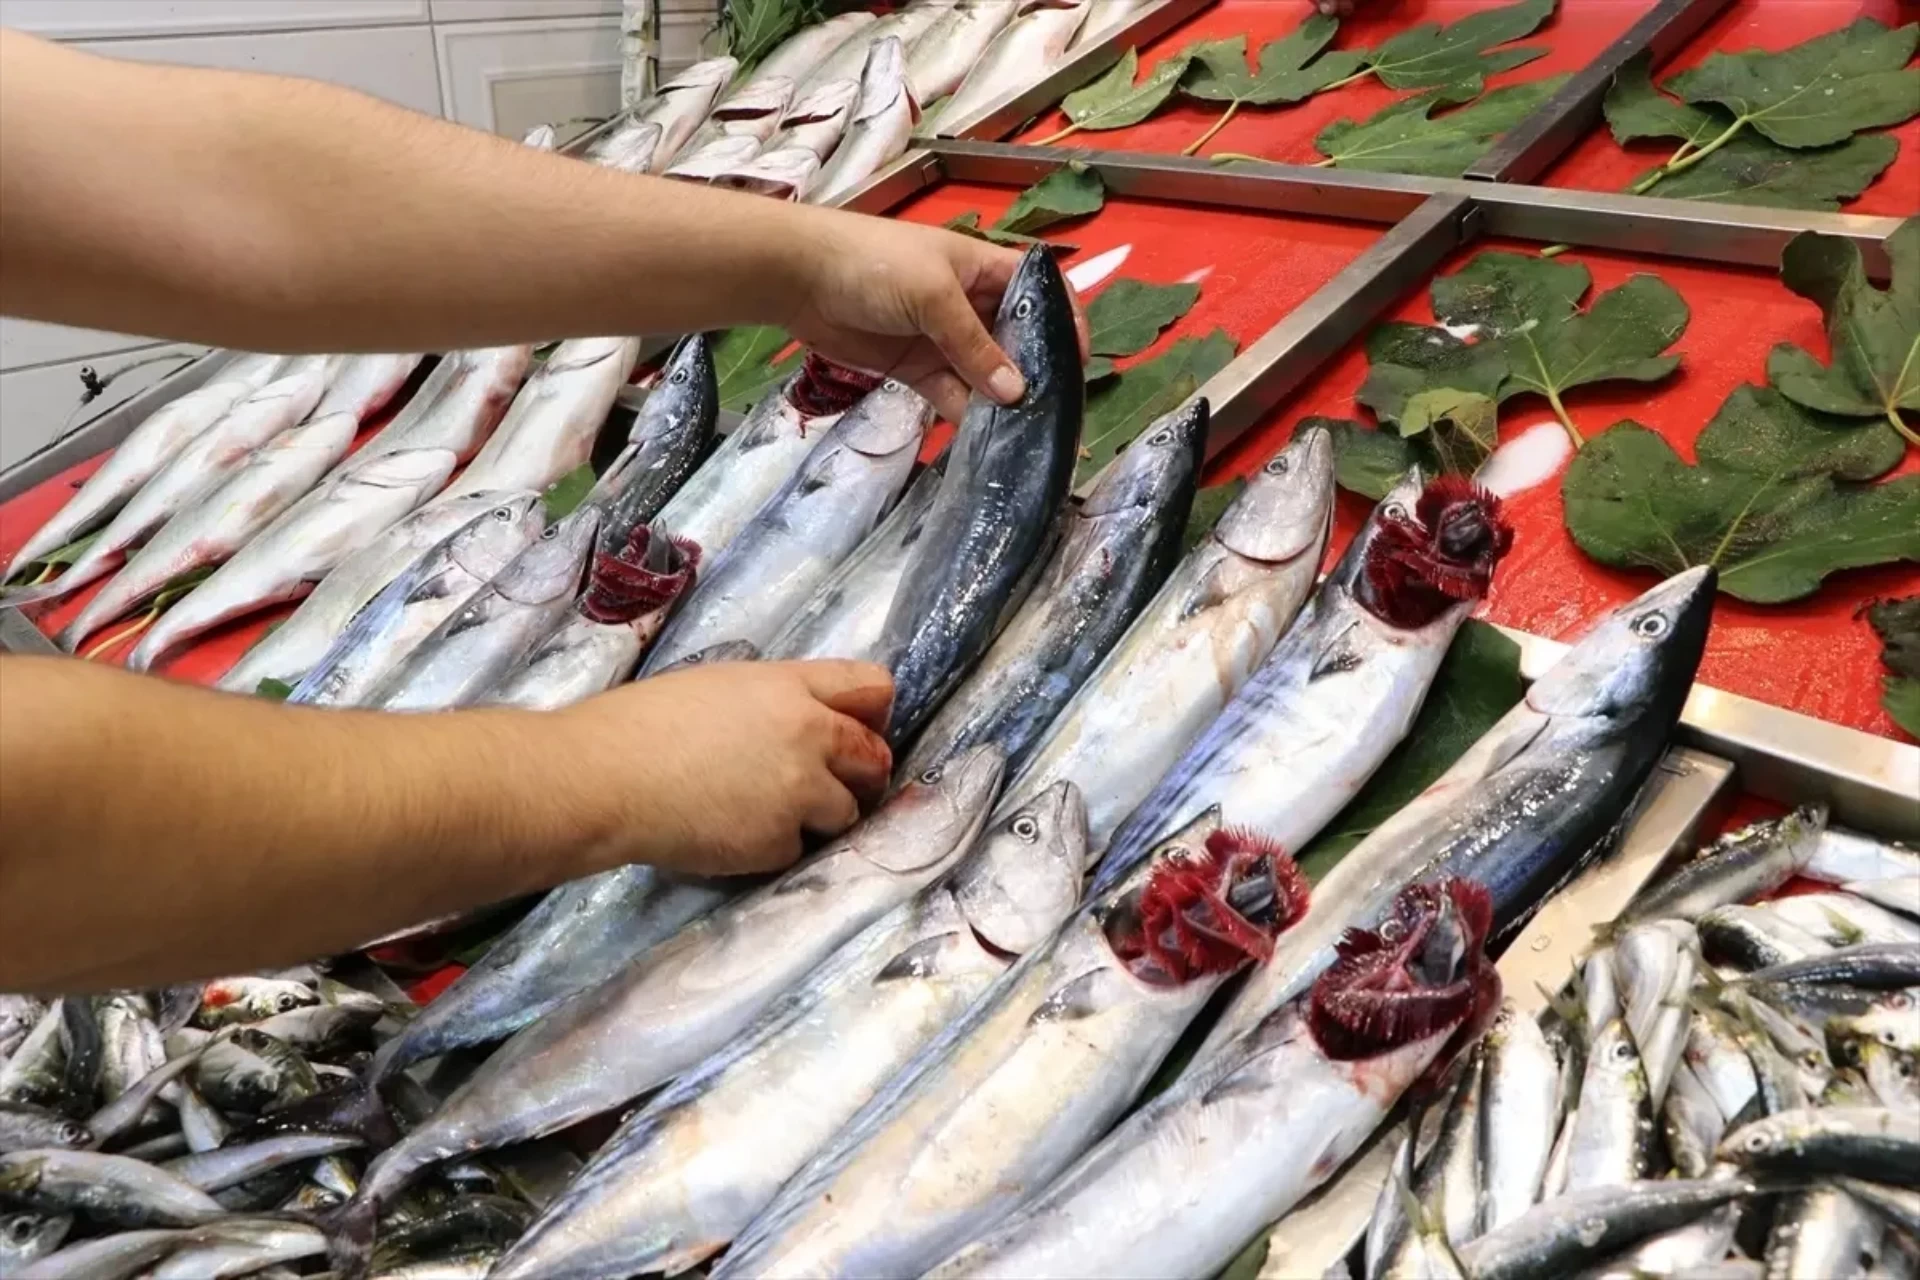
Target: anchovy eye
<point>1623,1051</point>
<point>1023,308</point>
<point>1650,625</point>
<point>1395,511</point>
<point>1025,828</point>
<point>71,1134</point>
<point>1277,465</point>
<point>933,775</point>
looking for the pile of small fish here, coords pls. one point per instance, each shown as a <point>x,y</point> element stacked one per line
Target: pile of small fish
<point>1729,1090</point>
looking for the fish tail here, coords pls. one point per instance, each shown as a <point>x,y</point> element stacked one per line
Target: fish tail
<point>349,1230</point>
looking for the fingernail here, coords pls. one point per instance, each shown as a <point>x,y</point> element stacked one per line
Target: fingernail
<point>1006,384</point>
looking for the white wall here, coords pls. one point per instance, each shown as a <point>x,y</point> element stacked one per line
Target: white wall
<point>501,65</point>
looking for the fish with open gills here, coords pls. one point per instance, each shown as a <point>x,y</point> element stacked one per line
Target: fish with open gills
<point>202,463</point>
<point>1034,44</point>
<point>1118,548</point>
<point>1181,1185</point>
<point>1530,802</point>
<point>117,1190</point>
<point>550,428</point>
<point>881,127</point>
<point>998,509</point>
<point>148,447</point>
<point>308,540</point>
<point>689,1170</point>
<point>817,121</point>
<point>1033,1074</point>
<point>479,642</point>
<point>425,594</point>
<point>780,174</point>
<point>457,407</point>
<point>1740,866</point>
<point>943,54</point>
<point>754,110</point>
<point>216,525</point>
<point>674,1004</point>
<point>802,533</point>
<point>671,435</point>
<point>1196,643</point>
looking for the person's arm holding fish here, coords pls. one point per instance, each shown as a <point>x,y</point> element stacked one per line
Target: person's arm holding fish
<point>151,831</point>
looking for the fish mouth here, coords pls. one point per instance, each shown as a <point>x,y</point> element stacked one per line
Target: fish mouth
<point>649,573</point>
<point>1420,563</point>
<point>1423,972</point>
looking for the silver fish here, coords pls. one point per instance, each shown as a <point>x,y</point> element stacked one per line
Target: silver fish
<point>690,1170</point>
<point>1739,867</point>
<point>1194,645</point>
<point>239,1247</point>
<point>1823,1232</point>
<point>753,111</point>
<point>1106,17</point>
<point>213,454</point>
<point>1899,1207</point>
<point>26,1128</point>
<point>682,1000</point>
<point>118,1190</point>
<point>1519,1115</point>
<point>28,1237</point>
<point>881,127</point>
<point>227,1002</point>
<point>1034,44</point>
<point>783,173</point>
<point>550,428</point>
<point>1692,1123</point>
<point>800,54</point>
<point>1900,893</point>
<point>131,1042</point>
<point>410,608</point>
<point>943,54</point>
<point>1436,1205</point>
<point>1876,966</point>
<point>307,542</point>
<point>541,138</point>
<point>128,1109</point>
<point>1841,919</point>
<point>34,1072</point>
<point>1844,855</point>
<point>1876,1143</point>
<point>1611,1141</point>
<point>817,121</point>
<point>17,1016</point>
<point>364,385</point>
<point>851,55</point>
<point>119,1256</point>
<point>1559,1236</point>
<point>802,533</point>
<point>230,1166</point>
<point>457,407</point>
<point>1654,963</point>
<point>1715,1057</point>
<point>704,162</point>
<point>680,104</point>
<point>632,147</point>
<point>1755,938</point>
<point>218,523</point>
<point>671,435</point>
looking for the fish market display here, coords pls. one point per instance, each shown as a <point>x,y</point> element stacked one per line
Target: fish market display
<point>1034,1074</point>
<point>693,1166</point>
<point>681,104</point>
<point>755,109</point>
<point>1119,546</point>
<point>550,428</point>
<point>706,161</point>
<point>939,60</point>
<point>441,579</point>
<point>996,513</point>
<point>457,407</point>
<point>801,54</point>
<point>1195,644</point>
<point>137,459</point>
<point>222,520</point>
<point>805,530</point>
<point>671,435</point>
<point>818,121</point>
<point>364,385</point>
<point>783,173</point>
<point>882,123</point>
<point>1034,44</point>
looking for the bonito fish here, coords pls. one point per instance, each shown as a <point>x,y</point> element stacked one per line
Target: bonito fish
<point>148,447</point>
<point>854,53</point>
<point>481,640</point>
<point>750,115</point>
<point>1196,643</point>
<point>301,547</point>
<point>998,508</point>
<point>671,436</point>
<point>684,999</point>
<point>553,422</point>
<point>805,530</point>
<point>216,525</point>
<point>817,121</point>
<point>1035,43</point>
<point>425,594</point>
<point>1181,1185</point>
<point>1528,803</point>
<point>881,127</point>
<point>682,103</point>
<point>782,173</point>
<point>457,407</point>
<point>203,462</point>
<point>691,1168</point>
<point>802,53</point>
<point>364,385</point>
<point>1119,546</point>
<point>943,54</point>
<point>1004,1100</point>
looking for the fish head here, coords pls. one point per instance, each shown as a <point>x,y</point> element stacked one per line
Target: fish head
<point>488,543</point>
<point>883,81</point>
<point>763,96</point>
<point>931,817</point>
<point>783,174</point>
<point>632,148</point>
<point>710,75</point>
<point>555,565</point>
<point>26,1236</point>
<point>1421,977</point>
<point>729,151</point>
<point>1428,551</point>
<point>686,400</point>
<point>1024,876</point>
<point>888,419</point>
<point>725,651</point>
<point>1637,663</point>
<point>824,389</point>
<point>645,576</point>
<point>1208,899</point>
<point>1288,503</point>
<point>424,471</point>
<point>1035,327</point>
<point>1161,460</point>
<point>20,1172</point>
<point>823,105</point>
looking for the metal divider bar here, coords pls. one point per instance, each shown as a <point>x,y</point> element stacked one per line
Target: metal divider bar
<point>1531,147</point>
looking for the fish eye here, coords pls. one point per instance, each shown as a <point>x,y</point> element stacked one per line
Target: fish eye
<point>549,533</point>
<point>1025,828</point>
<point>679,375</point>
<point>71,1134</point>
<point>20,1229</point>
<point>285,1002</point>
<point>891,385</point>
<point>1756,1142</point>
<point>1395,511</point>
<point>503,514</point>
<point>1277,465</point>
<point>1163,436</point>
<point>934,774</point>
<point>1623,1051</point>
<point>1650,626</point>
<point>1023,308</point>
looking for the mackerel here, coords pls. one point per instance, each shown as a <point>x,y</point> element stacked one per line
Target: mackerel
<point>457,407</point>
<point>118,1190</point>
<point>943,54</point>
<point>1878,1144</point>
<point>1755,938</point>
<point>1118,548</point>
<point>671,435</point>
<point>550,428</point>
<point>1195,644</point>
<point>1877,966</point>
<point>881,126</point>
<point>1034,44</point>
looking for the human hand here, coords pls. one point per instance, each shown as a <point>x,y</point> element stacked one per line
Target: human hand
<point>721,769</point>
<point>909,302</point>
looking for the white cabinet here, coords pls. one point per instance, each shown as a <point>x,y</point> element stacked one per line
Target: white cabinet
<point>93,19</point>
<point>506,77</point>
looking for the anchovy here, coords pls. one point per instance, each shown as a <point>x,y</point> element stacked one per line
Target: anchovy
<point>1755,938</point>
<point>1655,966</point>
<point>364,385</point>
<point>118,1190</point>
<point>27,1237</point>
<point>1118,548</point>
<point>1010,1094</point>
<point>1739,867</point>
<point>1177,1188</point>
<point>550,428</point>
<point>230,1166</point>
<point>805,530</point>
<point>199,466</point>
<point>126,1110</point>
<point>996,514</point>
<point>1823,1232</point>
<point>1878,1144</point>
<point>1194,645</point>
<point>24,1127</point>
<point>308,540</point>
<point>682,1000</point>
<point>393,625</point>
<point>1034,44</point>
<point>671,435</point>
<point>939,60</point>
<point>1441,1189</point>
<point>1528,804</point>
<point>1841,919</point>
<point>881,127</point>
<point>690,1170</point>
<point>1519,1115</point>
<point>457,407</point>
<point>1559,1236</point>
<point>1843,856</point>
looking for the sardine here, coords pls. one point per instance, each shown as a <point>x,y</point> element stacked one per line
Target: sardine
<point>132,1104</point>
<point>1654,963</point>
<point>24,1127</point>
<point>35,1071</point>
<point>28,1237</point>
<point>1118,548</point>
<point>218,523</point>
<point>696,1164</point>
<point>481,640</point>
<point>1613,1131</point>
<point>550,428</point>
<point>1010,1094</point>
<point>1900,894</point>
<point>307,542</point>
<point>457,407</point>
<point>1844,855</point>
<point>1519,1115</point>
<point>17,1017</point>
<point>230,1166</point>
<point>112,1257</point>
<point>1194,645</point>
<point>817,120</point>
<point>1825,1233</point>
<point>802,533</point>
<point>385,632</point>
<point>1876,966</point>
<point>1755,938</point>
<point>1560,1236</point>
<point>1717,1060</point>
<point>671,435</point>
<point>1878,1144</point>
<point>1529,803</point>
<point>1746,864</point>
<point>131,1043</point>
<point>1899,1207</point>
<point>117,1190</point>
<point>881,127</point>
<point>229,1002</point>
<point>943,54</point>
<point>997,511</point>
<point>1034,44</point>
<point>1842,920</point>
<point>673,1005</point>
<point>364,385</point>
<point>239,1247</point>
<point>1440,1193</point>
<point>1691,1121</point>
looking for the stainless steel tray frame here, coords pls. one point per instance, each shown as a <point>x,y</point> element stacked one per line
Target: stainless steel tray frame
<point>1872,782</point>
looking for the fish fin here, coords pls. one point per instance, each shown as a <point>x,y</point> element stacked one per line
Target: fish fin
<point>812,881</point>
<point>687,1257</point>
<point>1082,997</point>
<point>917,961</point>
<point>1336,655</point>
